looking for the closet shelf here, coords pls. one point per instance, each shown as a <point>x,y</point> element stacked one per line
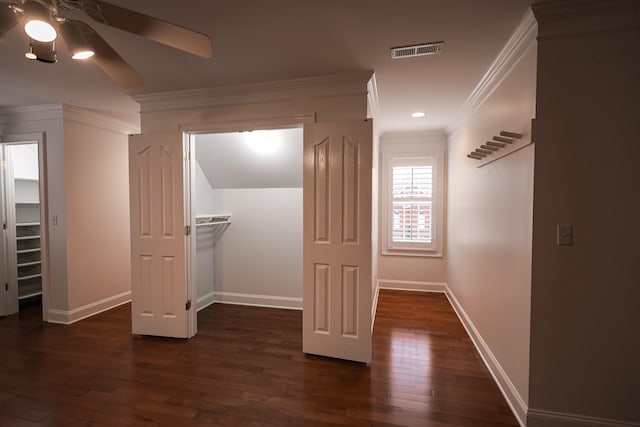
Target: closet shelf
<point>28,237</point>
<point>215,223</point>
<point>28,251</point>
<point>31,295</point>
<point>209,220</point>
<point>26,264</point>
<point>32,276</point>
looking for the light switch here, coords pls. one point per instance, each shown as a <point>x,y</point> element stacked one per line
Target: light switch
<point>54,219</point>
<point>565,235</point>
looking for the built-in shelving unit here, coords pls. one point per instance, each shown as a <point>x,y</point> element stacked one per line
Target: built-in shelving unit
<point>28,231</point>
<point>24,235</point>
<point>29,261</point>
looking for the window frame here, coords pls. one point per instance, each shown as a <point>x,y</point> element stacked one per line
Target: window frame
<point>396,154</point>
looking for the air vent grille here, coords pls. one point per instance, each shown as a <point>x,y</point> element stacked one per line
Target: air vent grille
<point>432,48</point>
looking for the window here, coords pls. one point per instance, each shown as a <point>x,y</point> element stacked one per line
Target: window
<point>412,199</point>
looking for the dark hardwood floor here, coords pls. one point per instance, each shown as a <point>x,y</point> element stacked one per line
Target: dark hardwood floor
<point>246,368</point>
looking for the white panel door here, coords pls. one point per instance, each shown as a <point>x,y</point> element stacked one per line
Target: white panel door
<point>158,285</point>
<point>337,240</point>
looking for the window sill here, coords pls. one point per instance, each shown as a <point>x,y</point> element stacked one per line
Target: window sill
<point>412,253</point>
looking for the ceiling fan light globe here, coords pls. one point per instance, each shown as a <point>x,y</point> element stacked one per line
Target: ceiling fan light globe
<point>40,30</point>
<point>83,55</point>
<point>30,55</point>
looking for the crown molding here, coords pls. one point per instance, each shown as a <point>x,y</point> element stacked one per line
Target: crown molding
<point>553,9</point>
<point>90,118</point>
<point>36,113</point>
<point>520,41</point>
<point>309,87</point>
<point>373,103</point>
<point>576,18</point>
<point>32,113</point>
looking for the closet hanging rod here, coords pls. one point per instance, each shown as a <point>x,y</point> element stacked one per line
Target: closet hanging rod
<point>202,224</point>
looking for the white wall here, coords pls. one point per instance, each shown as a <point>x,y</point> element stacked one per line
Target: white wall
<point>585,327</point>
<point>490,227</point>
<point>25,158</point>
<point>203,204</point>
<point>419,272</point>
<point>259,257</point>
<point>73,142</point>
<point>97,213</point>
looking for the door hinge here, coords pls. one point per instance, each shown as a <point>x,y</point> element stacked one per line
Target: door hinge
<point>187,155</point>
<point>187,230</point>
<point>188,305</point>
<point>3,164</point>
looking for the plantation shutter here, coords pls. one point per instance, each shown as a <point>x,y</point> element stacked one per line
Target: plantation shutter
<point>412,202</point>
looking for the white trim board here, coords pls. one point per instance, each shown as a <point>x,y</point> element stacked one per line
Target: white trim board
<point>89,118</point>
<point>67,317</point>
<point>406,285</point>
<point>374,305</point>
<point>33,113</point>
<point>60,111</point>
<point>308,87</point>
<point>514,400</point>
<point>205,301</point>
<point>269,301</point>
<point>521,40</point>
<point>540,418</point>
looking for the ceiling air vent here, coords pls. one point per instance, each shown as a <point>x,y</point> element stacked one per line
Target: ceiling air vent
<point>432,48</point>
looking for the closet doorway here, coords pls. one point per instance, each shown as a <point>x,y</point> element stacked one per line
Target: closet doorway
<point>21,254</point>
<point>247,200</point>
<point>336,237</point>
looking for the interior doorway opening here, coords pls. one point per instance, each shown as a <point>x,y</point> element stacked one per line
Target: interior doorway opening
<point>247,215</point>
<point>336,237</point>
<point>22,255</point>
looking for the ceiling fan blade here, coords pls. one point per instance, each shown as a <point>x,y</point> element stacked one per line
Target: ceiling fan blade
<point>108,59</point>
<point>9,17</point>
<point>146,26</point>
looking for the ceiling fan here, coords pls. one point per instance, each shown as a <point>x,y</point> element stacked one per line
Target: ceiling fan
<point>44,20</point>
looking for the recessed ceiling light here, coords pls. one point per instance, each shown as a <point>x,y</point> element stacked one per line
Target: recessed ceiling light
<point>418,114</point>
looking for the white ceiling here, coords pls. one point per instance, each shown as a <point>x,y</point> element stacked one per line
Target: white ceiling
<point>257,159</point>
<point>260,41</point>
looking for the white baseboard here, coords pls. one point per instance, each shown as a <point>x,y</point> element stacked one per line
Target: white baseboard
<point>540,418</point>
<point>67,317</point>
<point>374,305</point>
<point>259,300</point>
<point>511,395</point>
<point>205,301</point>
<point>407,285</point>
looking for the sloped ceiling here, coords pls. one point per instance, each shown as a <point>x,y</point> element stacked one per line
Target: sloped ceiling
<point>260,41</point>
<point>257,159</point>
